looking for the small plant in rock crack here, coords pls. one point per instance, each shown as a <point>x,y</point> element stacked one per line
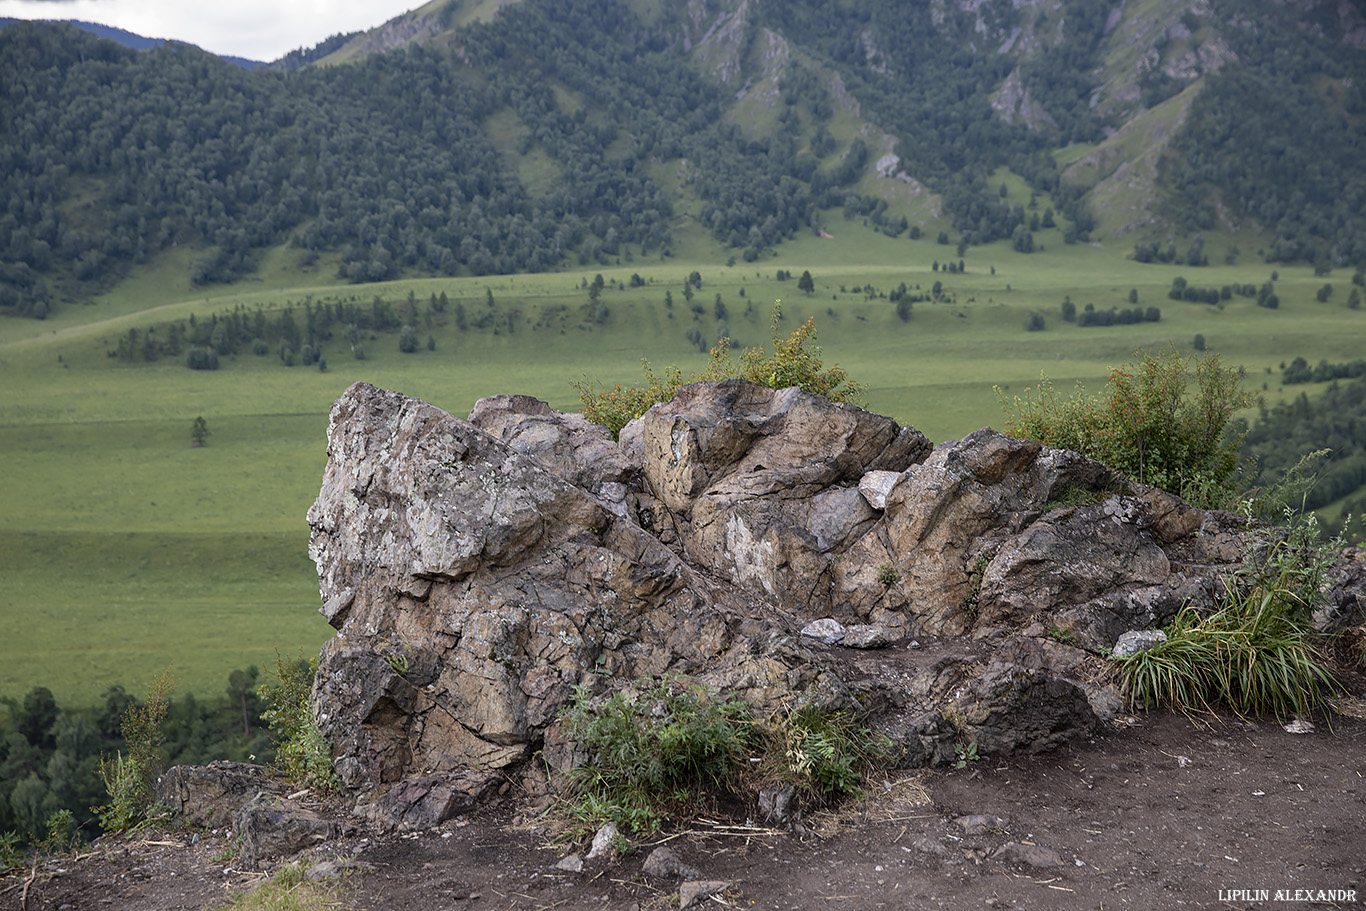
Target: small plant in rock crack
<point>1061,634</point>
<point>1073,496</point>
<point>973,596</point>
<point>966,753</point>
<point>887,575</point>
<point>303,753</point>
<point>398,652</point>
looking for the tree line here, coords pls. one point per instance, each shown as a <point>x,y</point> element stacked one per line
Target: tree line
<point>391,164</point>
<point>50,755</point>
<point>1335,420</point>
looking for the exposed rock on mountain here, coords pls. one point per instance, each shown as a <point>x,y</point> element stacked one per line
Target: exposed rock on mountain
<point>478,571</point>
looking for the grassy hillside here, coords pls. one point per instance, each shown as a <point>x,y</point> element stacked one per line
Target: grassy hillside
<point>125,550</point>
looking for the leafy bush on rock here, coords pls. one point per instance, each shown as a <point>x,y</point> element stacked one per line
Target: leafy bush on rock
<point>1163,420</point>
<point>793,362</point>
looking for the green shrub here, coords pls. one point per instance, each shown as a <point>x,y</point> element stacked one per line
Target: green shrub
<point>791,363</point>
<point>823,754</point>
<point>655,750</point>
<point>11,856</point>
<point>1165,421</point>
<point>302,753</point>
<point>62,835</point>
<point>1290,554</point>
<point>129,780</point>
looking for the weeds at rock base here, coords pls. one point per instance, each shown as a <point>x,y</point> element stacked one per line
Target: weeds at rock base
<point>671,748</point>
<point>303,754</point>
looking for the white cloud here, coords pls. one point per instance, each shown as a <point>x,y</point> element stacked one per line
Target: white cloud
<point>256,29</point>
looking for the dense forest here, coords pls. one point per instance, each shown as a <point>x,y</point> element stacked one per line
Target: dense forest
<point>50,755</point>
<point>1334,420</point>
<point>535,140</point>
<point>1276,137</point>
<point>116,154</point>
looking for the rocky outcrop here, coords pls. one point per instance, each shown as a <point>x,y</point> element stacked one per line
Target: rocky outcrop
<point>1012,102</point>
<point>210,796</point>
<point>478,571</point>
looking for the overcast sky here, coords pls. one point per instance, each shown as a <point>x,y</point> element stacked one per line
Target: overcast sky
<point>255,29</point>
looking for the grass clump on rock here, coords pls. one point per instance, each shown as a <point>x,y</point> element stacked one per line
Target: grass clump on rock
<point>1259,652</point>
<point>1250,655</point>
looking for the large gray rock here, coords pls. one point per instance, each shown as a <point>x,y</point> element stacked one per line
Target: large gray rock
<point>210,796</point>
<point>763,483</point>
<point>478,571</point>
<point>472,588</point>
<point>272,828</point>
<point>580,452</point>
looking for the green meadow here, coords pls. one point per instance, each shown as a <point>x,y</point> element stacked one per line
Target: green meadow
<point>125,550</point>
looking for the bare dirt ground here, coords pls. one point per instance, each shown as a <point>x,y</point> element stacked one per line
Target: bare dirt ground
<point>1159,811</point>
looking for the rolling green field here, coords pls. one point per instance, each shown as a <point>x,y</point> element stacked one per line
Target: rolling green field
<point>125,550</point>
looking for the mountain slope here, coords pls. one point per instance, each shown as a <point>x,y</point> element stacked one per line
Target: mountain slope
<point>477,136</point>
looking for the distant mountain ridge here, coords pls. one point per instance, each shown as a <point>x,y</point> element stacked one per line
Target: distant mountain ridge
<point>487,136</point>
<point>131,39</point>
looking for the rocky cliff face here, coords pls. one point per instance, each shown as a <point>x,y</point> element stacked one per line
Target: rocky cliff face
<point>478,571</point>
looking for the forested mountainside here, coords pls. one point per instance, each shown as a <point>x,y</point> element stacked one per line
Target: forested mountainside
<point>563,131</point>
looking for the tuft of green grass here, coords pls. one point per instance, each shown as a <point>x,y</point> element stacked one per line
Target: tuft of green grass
<point>289,889</point>
<point>824,755</point>
<point>1073,496</point>
<point>1250,655</point>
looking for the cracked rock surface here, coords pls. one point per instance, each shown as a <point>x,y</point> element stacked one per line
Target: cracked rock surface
<point>477,571</point>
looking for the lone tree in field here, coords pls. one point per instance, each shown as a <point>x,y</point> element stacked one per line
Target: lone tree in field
<point>806,283</point>
<point>199,431</point>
